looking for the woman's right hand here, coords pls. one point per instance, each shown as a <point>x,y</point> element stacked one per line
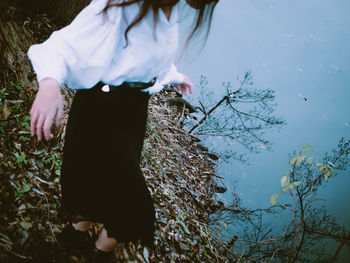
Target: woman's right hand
<point>47,106</point>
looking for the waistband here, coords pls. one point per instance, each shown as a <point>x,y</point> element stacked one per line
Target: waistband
<point>133,85</point>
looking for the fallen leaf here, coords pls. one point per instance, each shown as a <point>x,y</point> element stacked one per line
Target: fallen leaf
<point>6,111</point>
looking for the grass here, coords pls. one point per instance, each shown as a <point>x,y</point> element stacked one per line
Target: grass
<point>178,174</point>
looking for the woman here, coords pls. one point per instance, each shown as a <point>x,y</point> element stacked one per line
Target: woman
<point>116,54</point>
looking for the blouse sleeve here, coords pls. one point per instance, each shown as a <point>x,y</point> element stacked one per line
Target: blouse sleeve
<point>173,76</point>
<point>87,42</point>
<point>170,78</point>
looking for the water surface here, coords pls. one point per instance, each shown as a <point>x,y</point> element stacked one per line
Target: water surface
<point>300,49</point>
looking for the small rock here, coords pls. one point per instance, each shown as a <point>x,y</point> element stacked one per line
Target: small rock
<point>217,206</point>
<point>22,207</point>
<point>184,246</point>
<point>25,225</point>
<point>180,102</point>
<point>202,147</point>
<point>25,237</point>
<point>219,189</point>
<point>195,139</point>
<point>213,156</point>
<point>171,88</point>
<point>145,254</point>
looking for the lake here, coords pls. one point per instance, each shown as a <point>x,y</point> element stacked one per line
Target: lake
<point>300,49</point>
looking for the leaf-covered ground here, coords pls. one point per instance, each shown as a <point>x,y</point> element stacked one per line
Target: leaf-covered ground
<point>178,173</point>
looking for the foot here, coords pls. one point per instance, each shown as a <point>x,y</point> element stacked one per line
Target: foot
<point>71,238</point>
<point>105,243</point>
<point>99,256</point>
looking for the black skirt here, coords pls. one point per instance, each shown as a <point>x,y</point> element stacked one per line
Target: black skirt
<point>101,177</point>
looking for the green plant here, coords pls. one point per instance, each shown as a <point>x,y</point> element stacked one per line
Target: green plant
<point>311,226</point>
<point>46,20</point>
<point>17,85</point>
<point>20,158</point>
<point>21,187</point>
<point>303,158</point>
<point>2,127</point>
<point>42,22</point>
<point>2,93</point>
<point>4,216</point>
<point>26,122</point>
<point>16,108</point>
<point>54,160</point>
<point>23,138</point>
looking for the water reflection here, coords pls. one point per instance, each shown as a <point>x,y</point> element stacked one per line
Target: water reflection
<point>301,50</point>
<point>242,115</point>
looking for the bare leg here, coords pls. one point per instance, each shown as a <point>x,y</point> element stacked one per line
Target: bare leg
<point>82,225</point>
<point>104,243</point>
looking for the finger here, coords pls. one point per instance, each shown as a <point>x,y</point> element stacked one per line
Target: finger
<point>59,116</point>
<point>177,86</point>
<point>39,126</point>
<point>184,88</point>
<point>32,110</point>
<point>191,88</point>
<point>33,121</point>
<point>47,126</point>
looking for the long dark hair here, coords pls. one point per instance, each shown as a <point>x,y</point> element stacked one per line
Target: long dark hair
<point>204,9</point>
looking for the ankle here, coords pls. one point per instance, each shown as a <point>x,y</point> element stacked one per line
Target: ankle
<point>70,238</point>
<point>82,226</point>
<point>106,248</point>
<point>105,243</point>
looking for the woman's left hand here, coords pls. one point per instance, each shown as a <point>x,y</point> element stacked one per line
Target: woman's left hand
<point>185,87</point>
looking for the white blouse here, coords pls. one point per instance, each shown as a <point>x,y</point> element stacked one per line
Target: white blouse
<point>93,48</point>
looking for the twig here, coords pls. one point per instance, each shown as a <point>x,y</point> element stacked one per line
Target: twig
<point>48,211</point>
<point>14,253</point>
<point>274,254</point>
<point>182,115</point>
<point>340,248</point>
<point>225,98</point>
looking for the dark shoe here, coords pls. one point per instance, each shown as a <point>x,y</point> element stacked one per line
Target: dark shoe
<point>75,239</point>
<point>98,256</point>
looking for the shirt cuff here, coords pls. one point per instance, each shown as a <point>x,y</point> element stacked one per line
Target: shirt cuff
<point>47,64</point>
<point>173,76</point>
<point>157,87</point>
